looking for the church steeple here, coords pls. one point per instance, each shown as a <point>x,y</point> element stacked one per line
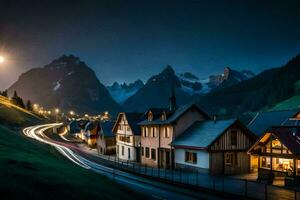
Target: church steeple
<point>173,105</point>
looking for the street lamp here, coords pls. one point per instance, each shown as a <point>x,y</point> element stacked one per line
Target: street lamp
<point>56,112</point>
<point>72,113</point>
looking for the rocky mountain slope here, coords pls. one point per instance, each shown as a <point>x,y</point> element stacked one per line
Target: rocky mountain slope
<point>121,92</point>
<point>66,83</point>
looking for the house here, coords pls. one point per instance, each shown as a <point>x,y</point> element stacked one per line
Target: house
<point>161,127</point>
<point>90,133</point>
<point>73,127</point>
<point>128,136</point>
<point>106,143</point>
<point>278,153</point>
<point>264,120</point>
<point>215,146</point>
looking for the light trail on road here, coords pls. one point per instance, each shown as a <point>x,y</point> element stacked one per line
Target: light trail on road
<point>155,189</point>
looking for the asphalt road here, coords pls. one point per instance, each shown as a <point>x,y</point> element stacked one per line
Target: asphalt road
<point>149,187</point>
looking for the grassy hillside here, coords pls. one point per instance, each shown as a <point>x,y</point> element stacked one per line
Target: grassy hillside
<point>14,116</point>
<point>291,103</point>
<point>31,170</point>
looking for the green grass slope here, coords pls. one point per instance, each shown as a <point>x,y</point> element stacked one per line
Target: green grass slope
<point>30,170</point>
<point>14,116</point>
<point>291,103</point>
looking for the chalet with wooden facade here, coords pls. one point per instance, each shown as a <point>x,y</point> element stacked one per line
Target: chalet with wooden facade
<point>106,142</point>
<point>161,127</point>
<point>278,154</point>
<point>215,146</point>
<point>128,136</point>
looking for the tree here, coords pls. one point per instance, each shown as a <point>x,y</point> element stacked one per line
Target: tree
<point>14,99</point>
<point>29,106</point>
<point>4,93</point>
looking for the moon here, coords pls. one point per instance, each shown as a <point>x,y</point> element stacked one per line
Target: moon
<point>2,59</point>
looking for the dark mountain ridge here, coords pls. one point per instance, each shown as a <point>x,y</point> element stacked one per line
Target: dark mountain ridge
<point>254,94</point>
<point>66,83</point>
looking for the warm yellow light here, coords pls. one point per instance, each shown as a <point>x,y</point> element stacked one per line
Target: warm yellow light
<point>56,110</point>
<point>72,112</point>
<point>2,59</point>
<point>49,112</point>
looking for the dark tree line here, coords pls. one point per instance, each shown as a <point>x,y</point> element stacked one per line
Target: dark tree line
<point>18,101</point>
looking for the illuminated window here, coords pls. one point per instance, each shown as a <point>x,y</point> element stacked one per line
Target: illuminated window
<point>265,162</point>
<point>163,116</point>
<point>150,116</point>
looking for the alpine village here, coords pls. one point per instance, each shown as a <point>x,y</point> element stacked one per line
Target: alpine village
<point>150,100</point>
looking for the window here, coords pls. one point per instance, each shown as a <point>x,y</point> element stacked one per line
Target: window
<point>167,132</point>
<point>143,131</point>
<point>191,157</point>
<point>163,116</point>
<point>150,116</point>
<point>129,154</point>
<point>128,128</point>
<point>142,151</point>
<point>147,131</point>
<point>118,149</point>
<point>153,154</point>
<point>122,150</point>
<point>233,138</point>
<point>147,152</point>
<point>265,162</point>
<point>153,132</point>
<point>230,159</point>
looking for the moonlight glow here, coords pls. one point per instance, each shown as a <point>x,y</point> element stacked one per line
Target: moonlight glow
<point>2,59</point>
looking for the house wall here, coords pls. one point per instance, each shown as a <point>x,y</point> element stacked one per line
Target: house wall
<point>218,166</point>
<point>164,141</point>
<point>223,145</point>
<point>185,121</point>
<point>202,158</point>
<point>124,130</point>
<point>224,142</point>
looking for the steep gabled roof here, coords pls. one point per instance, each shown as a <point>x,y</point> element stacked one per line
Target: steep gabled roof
<point>289,136</point>
<point>133,119</point>
<point>107,127</point>
<point>203,133</point>
<point>174,116</point>
<point>263,120</point>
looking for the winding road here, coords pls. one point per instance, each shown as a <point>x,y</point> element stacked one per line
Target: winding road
<point>149,187</point>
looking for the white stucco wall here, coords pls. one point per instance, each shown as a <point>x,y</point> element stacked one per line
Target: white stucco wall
<point>202,158</point>
<point>125,156</point>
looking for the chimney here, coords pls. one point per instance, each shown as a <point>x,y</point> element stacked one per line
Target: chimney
<point>215,119</point>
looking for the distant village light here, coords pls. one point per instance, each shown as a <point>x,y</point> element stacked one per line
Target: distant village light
<point>56,110</point>
<point>72,112</point>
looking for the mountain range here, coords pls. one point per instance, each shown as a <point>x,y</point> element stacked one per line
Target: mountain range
<point>121,92</point>
<point>261,92</point>
<point>66,83</point>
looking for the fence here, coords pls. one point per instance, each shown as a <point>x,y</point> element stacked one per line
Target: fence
<point>232,186</point>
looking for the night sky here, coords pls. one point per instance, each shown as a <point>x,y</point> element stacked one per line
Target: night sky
<point>129,40</point>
